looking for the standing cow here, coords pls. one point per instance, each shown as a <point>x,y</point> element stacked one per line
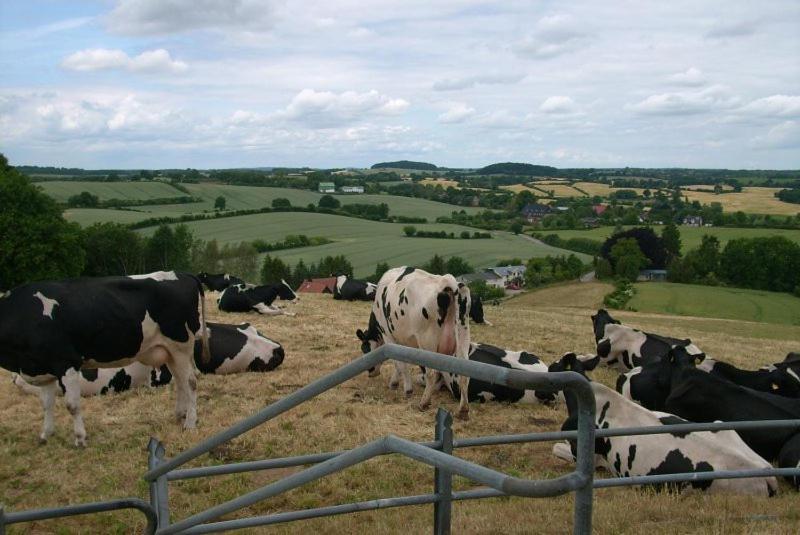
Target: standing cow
<point>50,330</point>
<point>353,290</point>
<point>417,309</point>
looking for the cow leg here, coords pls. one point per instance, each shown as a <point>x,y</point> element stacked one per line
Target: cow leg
<point>72,397</point>
<point>463,405</point>
<point>265,310</point>
<point>431,379</point>
<point>182,370</point>
<point>394,380</point>
<point>47,393</point>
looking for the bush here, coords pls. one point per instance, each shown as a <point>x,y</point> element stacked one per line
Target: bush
<point>328,201</point>
<point>623,292</point>
<point>281,202</point>
<point>479,288</point>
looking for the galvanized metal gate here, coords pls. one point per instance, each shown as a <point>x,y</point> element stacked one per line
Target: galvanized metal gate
<point>437,453</point>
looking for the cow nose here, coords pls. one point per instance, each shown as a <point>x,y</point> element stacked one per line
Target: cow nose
<point>279,353</point>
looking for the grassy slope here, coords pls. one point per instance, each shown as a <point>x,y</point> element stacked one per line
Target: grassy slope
<point>690,236</point>
<point>756,200</point>
<point>715,302</point>
<point>365,243</point>
<point>242,197</point>
<point>61,191</point>
<point>319,340</point>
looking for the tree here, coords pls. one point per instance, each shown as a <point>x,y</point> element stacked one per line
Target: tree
<point>649,244</point>
<point>35,241</point>
<point>169,249</point>
<point>628,259</point>
<point>456,266</point>
<point>84,199</point>
<point>329,201</point>
<point>206,256</point>
<point>603,269</point>
<point>281,203</point>
<point>219,203</point>
<point>705,259</point>
<point>380,269</point>
<point>516,227</point>
<point>300,273</point>
<point>333,266</point>
<point>671,238</point>
<point>435,265</point>
<point>273,270</point>
<point>410,230</point>
<point>240,259</point>
<point>112,249</point>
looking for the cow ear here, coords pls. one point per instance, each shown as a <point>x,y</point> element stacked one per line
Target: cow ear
<point>590,364</point>
<point>700,357</point>
<point>360,335</point>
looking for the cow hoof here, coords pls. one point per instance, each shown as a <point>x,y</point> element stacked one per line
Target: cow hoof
<point>463,415</point>
<point>394,386</point>
<point>408,393</point>
<point>424,406</point>
<point>80,442</point>
<point>42,441</point>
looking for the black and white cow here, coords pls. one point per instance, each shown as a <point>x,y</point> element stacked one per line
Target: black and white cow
<point>476,311</point>
<point>790,365</point>
<point>417,309</point>
<point>353,290</point>
<point>51,330</point>
<point>241,298</point>
<point>669,453</point>
<point>701,397</point>
<point>482,391</point>
<point>234,349</point>
<point>776,380</point>
<point>217,283</point>
<point>625,348</point>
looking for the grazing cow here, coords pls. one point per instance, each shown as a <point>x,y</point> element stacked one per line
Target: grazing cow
<point>217,283</point>
<point>775,380</point>
<point>625,347</point>
<point>240,298</point>
<point>476,311</point>
<point>482,391</point>
<point>417,309</point>
<point>353,290</point>
<point>701,397</point>
<point>50,330</point>
<point>669,453</point>
<point>234,349</point>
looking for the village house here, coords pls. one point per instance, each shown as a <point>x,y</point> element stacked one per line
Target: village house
<point>533,213</point>
<point>693,221</point>
<point>352,189</point>
<point>491,278</point>
<point>327,187</point>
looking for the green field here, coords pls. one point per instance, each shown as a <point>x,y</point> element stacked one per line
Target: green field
<point>716,302</point>
<point>63,190</point>
<point>690,236</point>
<point>365,243</point>
<point>236,197</point>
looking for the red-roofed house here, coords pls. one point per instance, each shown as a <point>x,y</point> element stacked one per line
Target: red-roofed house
<point>599,209</point>
<point>318,286</point>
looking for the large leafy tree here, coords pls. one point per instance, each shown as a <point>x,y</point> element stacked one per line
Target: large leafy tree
<point>671,238</point>
<point>36,242</point>
<point>628,259</point>
<point>112,249</point>
<point>169,249</point>
<point>651,245</point>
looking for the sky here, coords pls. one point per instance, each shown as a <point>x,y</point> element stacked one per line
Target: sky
<point>246,83</point>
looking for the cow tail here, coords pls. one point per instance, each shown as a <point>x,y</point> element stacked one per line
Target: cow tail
<point>206,350</point>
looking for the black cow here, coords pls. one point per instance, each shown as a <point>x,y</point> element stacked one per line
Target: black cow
<point>50,330</point>
<point>701,397</point>
<point>476,311</point>
<point>353,290</point>
<point>240,298</point>
<point>482,391</point>
<point>775,379</point>
<point>217,283</point>
<point>625,348</point>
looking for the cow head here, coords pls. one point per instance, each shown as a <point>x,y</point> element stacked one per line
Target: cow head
<point>676,361</point>
<point>286,293</point>
<point>571,362</point>
<point>599,321</point>
<point>267,354</point>
<point>371,340</point>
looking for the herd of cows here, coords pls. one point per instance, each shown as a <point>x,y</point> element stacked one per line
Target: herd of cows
<point>84,337</point>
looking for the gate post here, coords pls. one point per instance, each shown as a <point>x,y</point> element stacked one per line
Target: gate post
<point>443,479</point>
<point>2,521</point>
<point>159,494</point>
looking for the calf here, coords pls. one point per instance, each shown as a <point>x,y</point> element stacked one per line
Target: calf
<point>625,347</point>
<point>51,330</point>
<point>482,391</point>
<point>240,298</point>
<point>669,453</point>
<point>702,397</point>
<point>417,309</point>
<point>217,283</point>
<point>353,290</point>
<point>775,380</point>
<point>234,349</point>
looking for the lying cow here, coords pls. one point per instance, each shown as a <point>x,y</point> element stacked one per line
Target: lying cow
<point>669,453</point>
<point>51,330</point>
<point>625,348</point>
<point>241,298</point>
<point>775,380</point>
<point>417,309</point>
<point>790,365</point>
<point>217,283</point>
<point>353,290</point>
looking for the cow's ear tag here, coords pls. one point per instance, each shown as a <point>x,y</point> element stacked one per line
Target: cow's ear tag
<point>568,367</point>
<point>775,387</point>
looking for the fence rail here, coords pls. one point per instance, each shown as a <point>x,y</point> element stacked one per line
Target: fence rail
<point>436,453</point>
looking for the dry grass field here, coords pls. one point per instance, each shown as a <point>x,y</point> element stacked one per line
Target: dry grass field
<point>445,183</point>
<point>603,190</point>
<point>317,341</point>
<point>755,200</point>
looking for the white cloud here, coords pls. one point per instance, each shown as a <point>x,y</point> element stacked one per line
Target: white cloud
<point>774,106</point>
<point>466,82</point>
<point>96,59</point>
<point>551,36</point>
<point>690,77</point>
<point>458,112</point>
<point>159,17</point>
<point>785,135</point>
<point>686,103</point>
<point>325,108</point>
<point>558,105</point>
